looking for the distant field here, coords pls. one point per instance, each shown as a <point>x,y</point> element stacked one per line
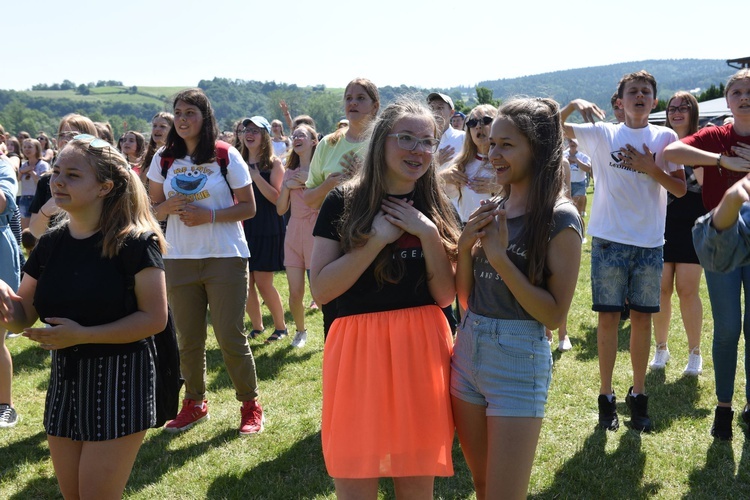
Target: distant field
<point>119,94</point>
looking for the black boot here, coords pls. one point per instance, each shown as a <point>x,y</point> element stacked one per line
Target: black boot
<point>608,413</point>
<point>722,426</point>
<point>638,406</point>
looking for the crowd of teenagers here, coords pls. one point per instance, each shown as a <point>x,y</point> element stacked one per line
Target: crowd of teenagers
<point>442,248</point>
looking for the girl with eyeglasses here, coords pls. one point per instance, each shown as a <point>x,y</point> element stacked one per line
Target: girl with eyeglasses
<point>206,266</point>
<point>43,208</point>
<point>724,154</point>
<point>470,178</point>
<point>384,246</point>
<point>102,389</point>
<point>298,241</point>
<point>681,265</point>
<point>518,260</point>
<point>265,231</point>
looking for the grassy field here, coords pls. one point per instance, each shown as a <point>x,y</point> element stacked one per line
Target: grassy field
<point>574,460</point>
<point>150,95</point>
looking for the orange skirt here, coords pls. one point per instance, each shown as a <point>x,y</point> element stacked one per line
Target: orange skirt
<point>386,395</point>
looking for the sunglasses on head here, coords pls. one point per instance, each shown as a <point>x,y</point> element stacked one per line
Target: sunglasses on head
<point>485,120</point>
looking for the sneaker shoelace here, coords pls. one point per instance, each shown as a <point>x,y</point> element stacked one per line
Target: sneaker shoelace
<point>6,413</point>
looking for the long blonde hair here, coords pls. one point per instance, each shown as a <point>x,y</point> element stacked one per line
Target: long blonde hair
<point>126,208</point>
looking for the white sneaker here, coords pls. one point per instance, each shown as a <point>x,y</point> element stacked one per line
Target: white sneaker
<point>694,366</point>
<point>661,358</point>
<point>300,339</point>
<point>564,345</point>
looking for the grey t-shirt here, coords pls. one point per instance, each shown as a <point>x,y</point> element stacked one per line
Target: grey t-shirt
<point>490,296</point>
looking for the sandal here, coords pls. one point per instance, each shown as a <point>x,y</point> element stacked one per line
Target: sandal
<point>254,333</point>
<point>276,335</point>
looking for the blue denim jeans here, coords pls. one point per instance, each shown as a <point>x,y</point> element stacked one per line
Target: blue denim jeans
<point>724,291</point>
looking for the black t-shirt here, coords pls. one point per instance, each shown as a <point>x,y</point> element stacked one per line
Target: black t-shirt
<point>41,195</point>
<point>74,281</point>
<point>366,295</point>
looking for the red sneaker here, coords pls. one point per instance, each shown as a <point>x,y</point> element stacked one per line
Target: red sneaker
<point>192,412</point>
<point>252,420</point>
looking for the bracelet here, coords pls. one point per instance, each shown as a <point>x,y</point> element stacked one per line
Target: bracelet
<point>213,216</point>
<point>42,212</point>
<point>718,160</point>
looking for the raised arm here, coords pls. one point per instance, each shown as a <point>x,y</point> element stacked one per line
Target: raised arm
<point>588,110</point>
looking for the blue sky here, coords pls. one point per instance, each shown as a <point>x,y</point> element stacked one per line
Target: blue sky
<point>437,43</point>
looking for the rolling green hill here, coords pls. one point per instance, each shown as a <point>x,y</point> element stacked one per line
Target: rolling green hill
<point>133,107</point>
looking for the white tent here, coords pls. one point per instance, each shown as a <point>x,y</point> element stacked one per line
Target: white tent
<point>707,111</point>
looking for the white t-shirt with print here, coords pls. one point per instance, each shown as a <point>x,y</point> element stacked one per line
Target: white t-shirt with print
<point>629,207</point>
<point>205,187</point>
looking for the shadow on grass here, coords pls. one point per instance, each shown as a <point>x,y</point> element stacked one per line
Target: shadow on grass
<point>32,448</point>
<point>718,472</point>
<point>40,487</point>
<point>157,457</point>
<point>592,473</point>
<point>31,358</point>
<point>586,350</point>
<point>670,402</point>
<point>298,472</point>
<point>269,362</point>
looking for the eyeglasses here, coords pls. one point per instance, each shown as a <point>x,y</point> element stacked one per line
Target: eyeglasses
<point>674,109</point>
<point>485,120</point>
<point>251,131</point>
<point>299,136</point>
<point>409,142</point>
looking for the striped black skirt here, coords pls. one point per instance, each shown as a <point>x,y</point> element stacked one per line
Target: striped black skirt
<point>101,398</point>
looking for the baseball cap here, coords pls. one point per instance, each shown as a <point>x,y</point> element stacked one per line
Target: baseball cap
<point>442,97</point>
<point>259,121</point>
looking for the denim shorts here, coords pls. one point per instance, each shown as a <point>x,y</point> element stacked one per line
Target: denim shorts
<point>24,204</point>
<point>504,365</point>
<point>620,271</point>
<point>578,188</point>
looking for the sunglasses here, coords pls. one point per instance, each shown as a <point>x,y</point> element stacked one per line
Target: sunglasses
<point>485,120</point>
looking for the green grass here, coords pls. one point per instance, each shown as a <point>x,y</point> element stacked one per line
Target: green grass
<point>149,95</point>
<point>678,460</point>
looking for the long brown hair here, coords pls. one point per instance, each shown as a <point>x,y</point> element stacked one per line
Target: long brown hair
<point>539,121</point>
<point>365,192</point>
<point>205,151</point>
<point>266,156</point>
<point>694,111</point>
